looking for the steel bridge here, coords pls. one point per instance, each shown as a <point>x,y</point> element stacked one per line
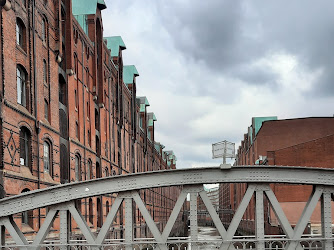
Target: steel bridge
<point>60,201</point>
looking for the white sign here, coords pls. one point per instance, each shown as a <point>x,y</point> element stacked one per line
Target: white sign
<point>223,149</point>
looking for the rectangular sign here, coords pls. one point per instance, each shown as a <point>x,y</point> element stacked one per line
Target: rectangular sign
<point>223,149</point>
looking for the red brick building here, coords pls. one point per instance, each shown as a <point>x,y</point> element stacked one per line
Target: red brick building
<point>69,110</point>
<point>292,142</point>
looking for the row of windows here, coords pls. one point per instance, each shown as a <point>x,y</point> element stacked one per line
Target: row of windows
<point>25,151</point>
<point>25,158</point>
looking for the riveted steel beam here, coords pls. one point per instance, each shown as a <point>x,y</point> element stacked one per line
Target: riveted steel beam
<point>248,174</point>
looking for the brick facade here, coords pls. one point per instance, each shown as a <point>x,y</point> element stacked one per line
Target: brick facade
<point>74,119</point>
<point>305,142</point>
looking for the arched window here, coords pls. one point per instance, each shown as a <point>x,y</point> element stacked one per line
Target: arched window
<point>47,158</point>
<point>90,205</point>
<point>77,168</point>
<point>27,216</point>
<point>21,78</point>
<point>25,147</point>
<point>20,33</point>
<point>106,171</point>
<point>44,30</point>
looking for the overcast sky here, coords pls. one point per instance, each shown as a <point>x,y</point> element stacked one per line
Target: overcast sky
<point>208,67</point>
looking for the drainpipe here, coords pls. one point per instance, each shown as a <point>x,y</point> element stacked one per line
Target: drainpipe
<point>35,89</point>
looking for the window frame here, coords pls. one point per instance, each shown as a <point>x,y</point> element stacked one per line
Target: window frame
<point>47,157</point>
<point>21,82</point>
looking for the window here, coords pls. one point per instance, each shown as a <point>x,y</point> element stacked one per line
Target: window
<point>106,171</point>
<point>44,31</point>
<point>46,110</point>
<point>77,168</point>
<point>47,158</point>
<point>21,85</point>
<point>25,147</point>
<point>20,33</point>
<point>45,72</point>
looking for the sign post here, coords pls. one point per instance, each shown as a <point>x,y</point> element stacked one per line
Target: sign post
<point>223,149</point>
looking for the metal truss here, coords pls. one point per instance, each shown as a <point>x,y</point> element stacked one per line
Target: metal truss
<point>61,202</point>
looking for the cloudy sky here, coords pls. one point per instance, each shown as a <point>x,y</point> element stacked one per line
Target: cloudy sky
<point>208,67</point>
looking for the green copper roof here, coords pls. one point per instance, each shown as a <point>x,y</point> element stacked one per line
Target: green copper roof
<point>143,103</point>
<point>257,122</point>
<point>151,119</point>
<point>129,72</point>
<point>114,43</point>
<point>171,155</point>
<point>84,7</point>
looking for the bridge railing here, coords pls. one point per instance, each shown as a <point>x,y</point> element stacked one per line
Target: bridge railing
<point>61,203</point>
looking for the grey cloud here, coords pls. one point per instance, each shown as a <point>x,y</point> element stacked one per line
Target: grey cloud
<point>226,35</point>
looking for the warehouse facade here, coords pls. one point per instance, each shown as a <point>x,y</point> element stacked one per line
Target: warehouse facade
<point>69,110</point>
<point>306,142</point>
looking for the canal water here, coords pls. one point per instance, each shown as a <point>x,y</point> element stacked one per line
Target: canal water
<point>207,234</point>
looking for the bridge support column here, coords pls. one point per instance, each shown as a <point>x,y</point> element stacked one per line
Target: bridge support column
<point>326,219</point>
<point>259,218</point>
<point>128,223</point>
<point>193,221</point>
<point>64,229</point>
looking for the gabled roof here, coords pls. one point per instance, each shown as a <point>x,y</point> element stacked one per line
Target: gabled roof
<point>114,43</point>
<point>129,72</point>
